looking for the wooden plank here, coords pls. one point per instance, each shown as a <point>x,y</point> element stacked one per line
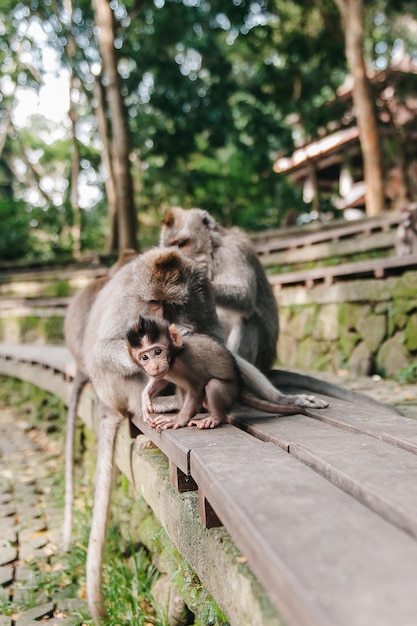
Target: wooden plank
<point>58,358</point>
<point>325,559</point>
<point>281,242</point>
<point>346,270</point>
<point>381,476</point>
<point>354,411</point>
<point>306,253</point>
<point>177,444</point>
<point>396,429</point>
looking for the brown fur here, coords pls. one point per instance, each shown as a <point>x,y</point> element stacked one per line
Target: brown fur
<point>203,369</point>
<point>245,302</point>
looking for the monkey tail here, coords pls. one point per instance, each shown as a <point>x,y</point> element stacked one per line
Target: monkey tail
<point>249,399</point>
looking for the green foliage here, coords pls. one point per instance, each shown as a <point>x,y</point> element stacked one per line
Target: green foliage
<point>214,92</point>
<point>408,374</point>
<point>15,232</point>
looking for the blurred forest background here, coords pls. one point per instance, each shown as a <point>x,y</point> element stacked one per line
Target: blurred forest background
<point>112,111</point>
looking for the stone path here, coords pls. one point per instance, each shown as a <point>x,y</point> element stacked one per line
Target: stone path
<point>29,528</point>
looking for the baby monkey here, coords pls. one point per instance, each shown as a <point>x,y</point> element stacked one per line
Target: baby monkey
<point>204,371</point>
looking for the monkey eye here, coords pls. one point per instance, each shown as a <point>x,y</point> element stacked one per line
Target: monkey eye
<point>181,243</point>
<point>144,357</point>
<point>158,351</point>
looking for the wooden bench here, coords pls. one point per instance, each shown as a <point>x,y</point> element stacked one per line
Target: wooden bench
<point>324,507</point>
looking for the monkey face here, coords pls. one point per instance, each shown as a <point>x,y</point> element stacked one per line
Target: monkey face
<point>190,231</point>
<point>153,359</point>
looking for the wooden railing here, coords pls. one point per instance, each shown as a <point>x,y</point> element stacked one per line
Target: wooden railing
<point>297,247</point>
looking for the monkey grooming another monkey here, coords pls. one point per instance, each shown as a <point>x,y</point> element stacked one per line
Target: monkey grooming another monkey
<point>245,302</point>
<point>204,371</point>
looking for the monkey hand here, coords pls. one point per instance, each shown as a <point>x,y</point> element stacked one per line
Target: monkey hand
<point>147,409</point>
<point>308,402</point>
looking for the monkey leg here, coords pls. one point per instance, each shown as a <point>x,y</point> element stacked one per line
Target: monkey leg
<point>77,387</point>
<point>219,397</point>
<point>191,403</point>
<point>108,425</point>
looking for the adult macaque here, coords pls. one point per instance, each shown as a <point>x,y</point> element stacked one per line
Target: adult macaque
<point>245,302</point>
<point>74,328</point>
<point>406,235</point>
<point>203,370</point>
<point>158,283</point>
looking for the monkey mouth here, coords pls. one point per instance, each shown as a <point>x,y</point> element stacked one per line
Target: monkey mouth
<point>161,373</point>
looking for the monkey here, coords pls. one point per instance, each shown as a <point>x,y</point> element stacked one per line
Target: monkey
<point>161,283</point>
<point>203,369</point>
<point>245,302</point>
<point>406,235</point>
<point>74,327</point>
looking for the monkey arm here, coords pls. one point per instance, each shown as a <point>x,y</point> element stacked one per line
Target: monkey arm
<point>154,385</point>
<point>234,283</point>
<point>113,355</point>
<point>235,296</point>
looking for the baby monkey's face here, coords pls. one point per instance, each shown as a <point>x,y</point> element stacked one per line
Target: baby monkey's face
<point>154,358</point>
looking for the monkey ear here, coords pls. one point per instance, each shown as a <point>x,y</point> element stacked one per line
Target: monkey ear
<point>169,217</point>
<point>208,220</point>
<point>175,336</point>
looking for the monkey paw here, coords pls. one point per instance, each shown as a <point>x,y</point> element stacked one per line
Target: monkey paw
<point>205,422</point>
<point>309,402</point>
<point>164,422</point>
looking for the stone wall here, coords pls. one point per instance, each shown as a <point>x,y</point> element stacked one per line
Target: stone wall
<point>366,326</point>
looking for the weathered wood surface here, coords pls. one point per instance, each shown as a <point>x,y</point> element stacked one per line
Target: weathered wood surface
<point>377,268</point>
<point>324,507</point>
<point>304,253</point>
<point>284,239</point>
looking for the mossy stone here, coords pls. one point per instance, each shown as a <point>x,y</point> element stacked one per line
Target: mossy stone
<point>347,342</point>
<point>392,356</point>
<point>373,330</point>
<point>411,333</point>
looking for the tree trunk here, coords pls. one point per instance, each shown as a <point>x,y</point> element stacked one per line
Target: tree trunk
<point>107,163</point>
<point>75,157</point>
<point>75,173</point>
<point>126,214</point>
<point>352,22</point>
